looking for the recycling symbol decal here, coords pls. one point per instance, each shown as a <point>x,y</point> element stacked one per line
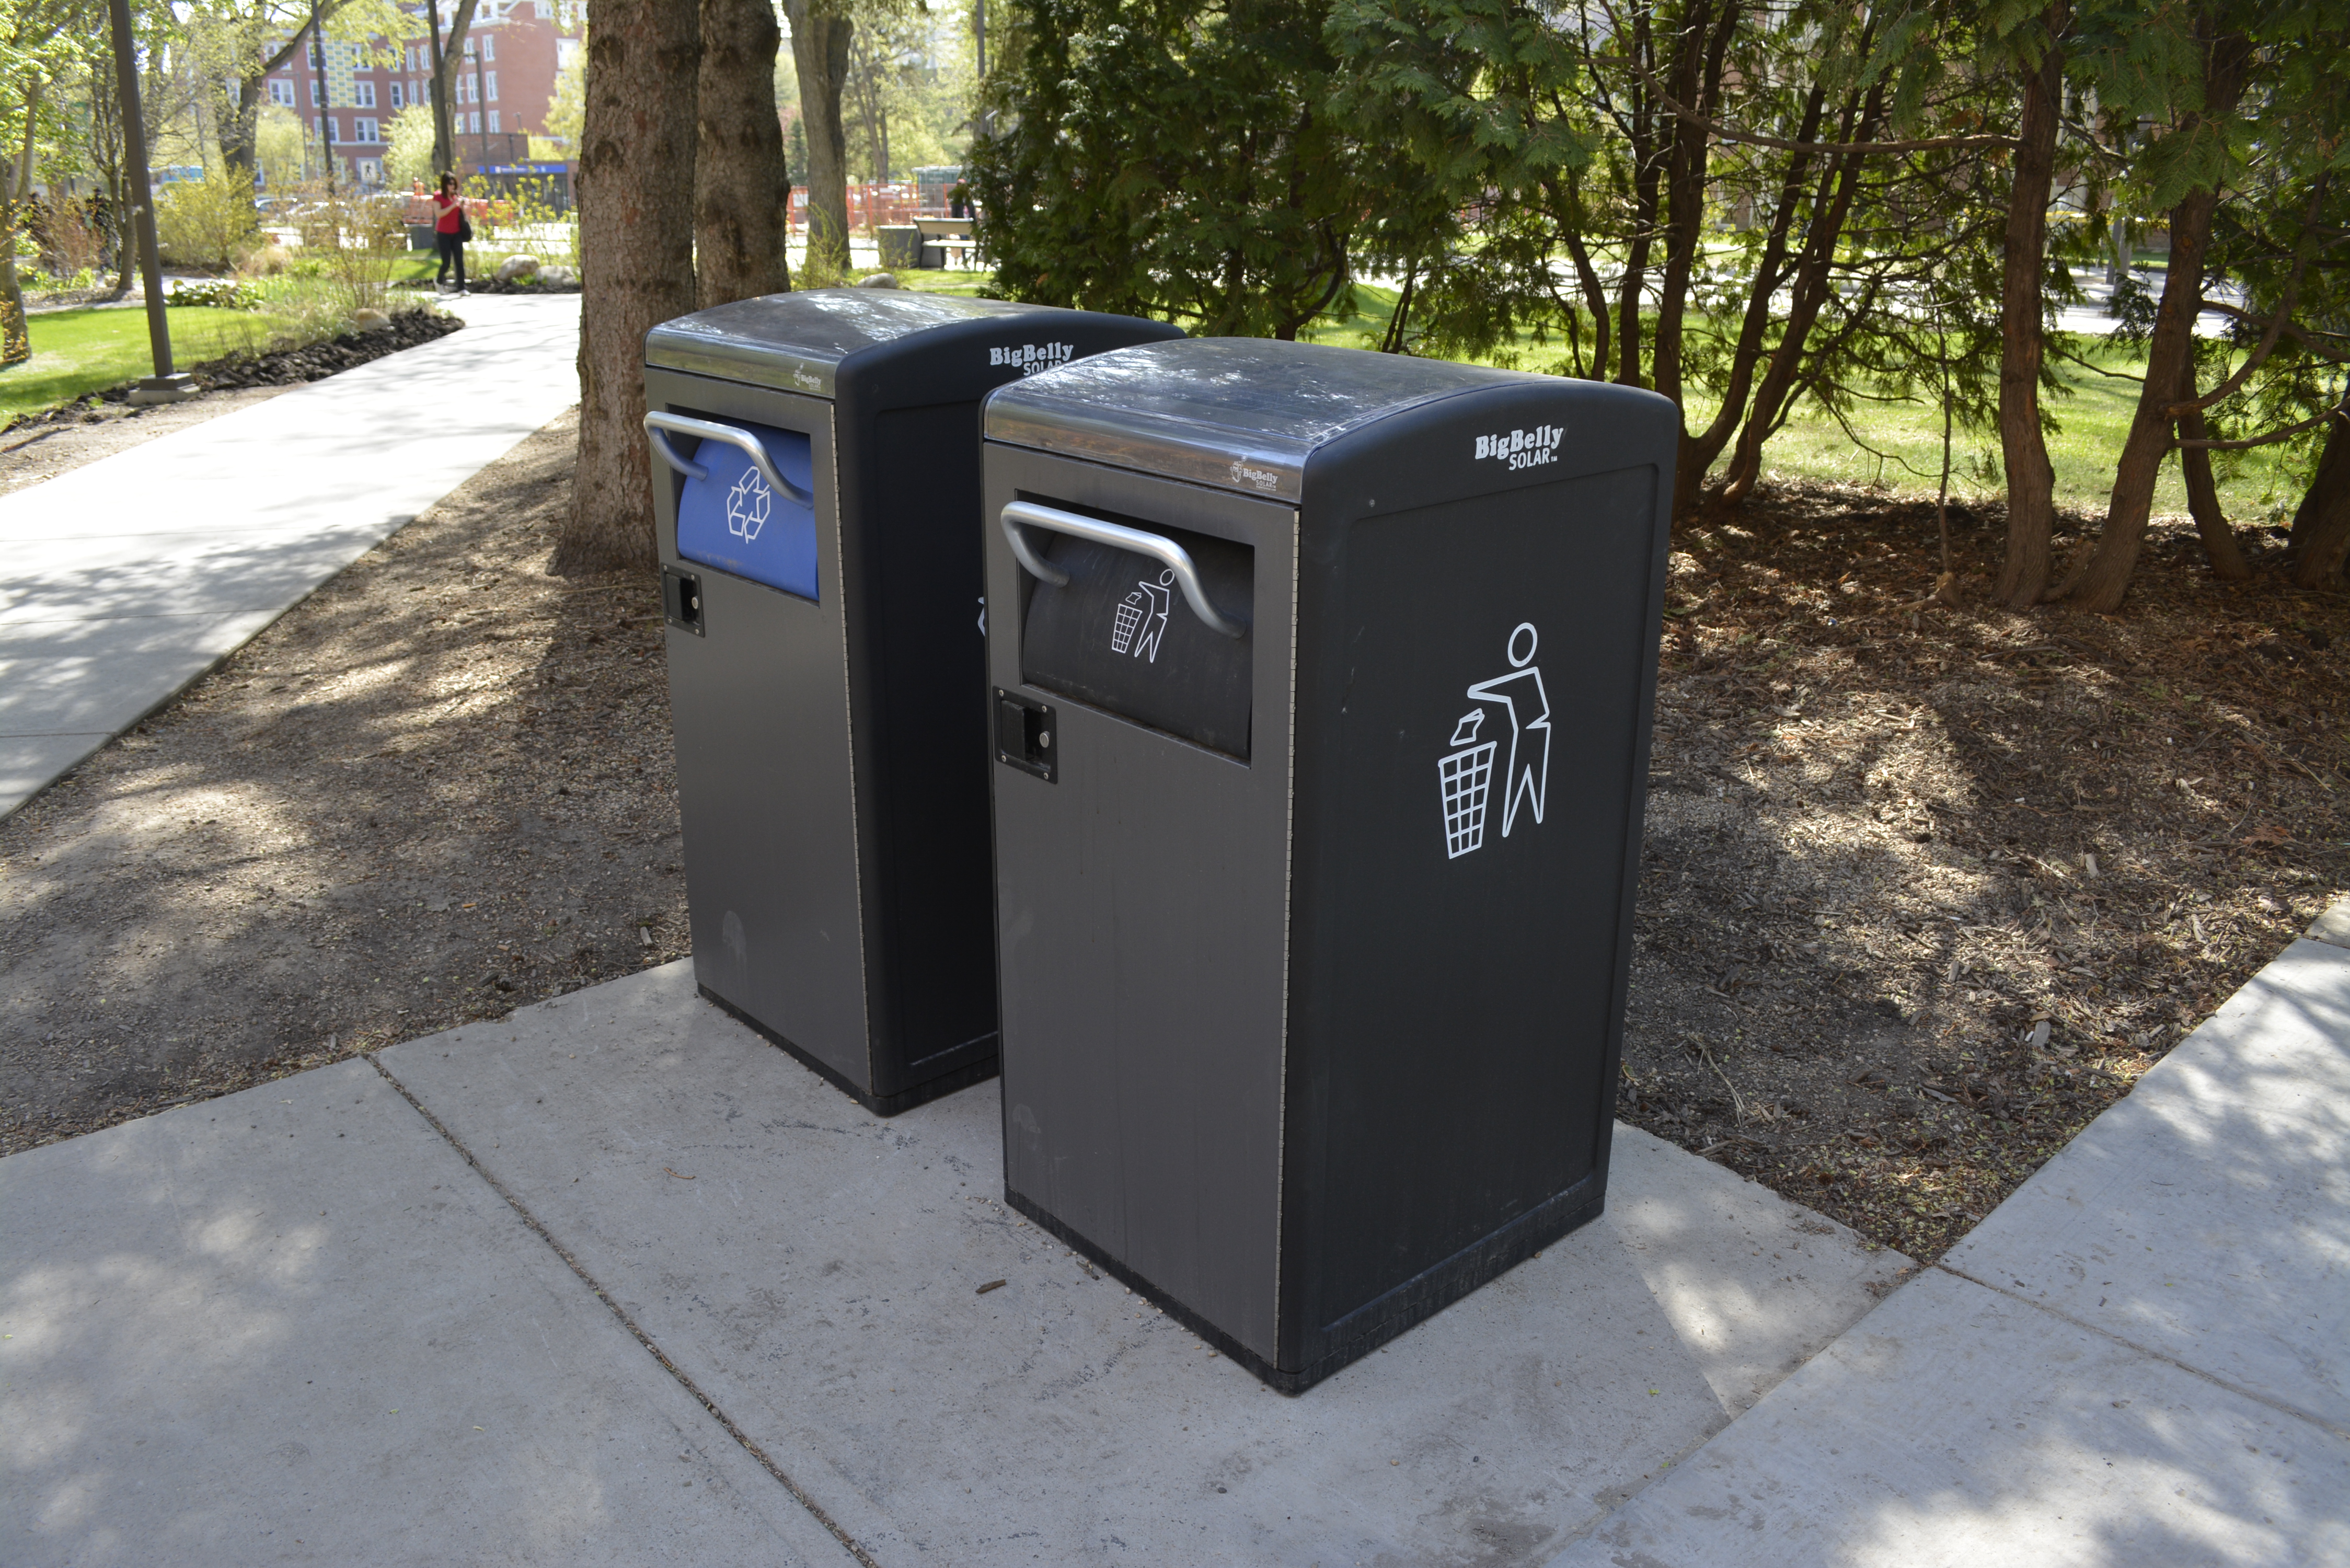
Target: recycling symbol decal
<point>747,505</point>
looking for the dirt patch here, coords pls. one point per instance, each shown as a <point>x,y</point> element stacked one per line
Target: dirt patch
<point>437,790</point>
<point>1887,840</point>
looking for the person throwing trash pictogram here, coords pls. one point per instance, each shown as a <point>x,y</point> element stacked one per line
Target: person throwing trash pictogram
<point>1467,774</point>
<point>1141,619</point>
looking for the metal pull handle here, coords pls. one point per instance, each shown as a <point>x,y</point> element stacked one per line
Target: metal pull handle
<point>1159,548</point>
<point>656,422</point>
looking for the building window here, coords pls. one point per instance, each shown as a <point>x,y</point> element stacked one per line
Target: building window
<point>490,50</point>
<point>317,99</point>
<point>325,125</point>
<point>490,86</point>
<point>493,119</point>
<point>363,93</point>
<point>364,130</point>
<point>397,101</point>
<point>281,91</point>
<point>314,51</point>
<point>371,171</point>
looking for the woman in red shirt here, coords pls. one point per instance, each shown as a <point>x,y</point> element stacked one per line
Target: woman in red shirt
<point>447,218</point>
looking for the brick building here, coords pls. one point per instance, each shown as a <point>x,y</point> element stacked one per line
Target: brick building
<point>515,51</point>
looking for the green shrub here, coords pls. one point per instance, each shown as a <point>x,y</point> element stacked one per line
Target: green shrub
<point>223,295</point>
<point>209,221</point>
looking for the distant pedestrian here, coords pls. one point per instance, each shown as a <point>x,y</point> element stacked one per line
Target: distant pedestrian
<point>449,231</point>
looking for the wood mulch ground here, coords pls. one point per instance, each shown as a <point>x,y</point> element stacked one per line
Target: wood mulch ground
<point>1886,839</point>
<point>436,790</point>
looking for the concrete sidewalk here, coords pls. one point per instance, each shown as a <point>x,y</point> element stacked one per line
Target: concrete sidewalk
<point>129,577</point>
<point>2140,1358</point>
<point>296,1324</point>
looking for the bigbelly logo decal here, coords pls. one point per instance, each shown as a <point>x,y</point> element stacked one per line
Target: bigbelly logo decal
<point>1514,756</point>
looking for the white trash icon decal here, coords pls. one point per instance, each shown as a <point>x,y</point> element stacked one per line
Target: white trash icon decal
<point>1465,776</point>
<point>1141,619</point>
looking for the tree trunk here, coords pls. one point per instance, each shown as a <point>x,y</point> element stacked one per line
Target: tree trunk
<point>2169,357</point>
<point>32,124</point>
<point>15,342</point>
<point>635,185</point>
<point>820,36</point>
<point>241,132</point>
<point>1770,270</point>
<point>1704,40</point>
<point>741,196</point>
<point>2321,528</point>
<point>447,62</point>
<point>241,126</point>
<point>1814,280</point>
<point>2333,474</point>
<point>2202,492</point>
<point>2030,477</point>
<point>1647,168</point>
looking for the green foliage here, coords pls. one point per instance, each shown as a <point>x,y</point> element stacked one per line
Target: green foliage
<point>209,221</point>
<point>408,147</point>
<point>1176,158</point>
<point>222,293</point>
<point>279,148</point>
<point>907,89</point>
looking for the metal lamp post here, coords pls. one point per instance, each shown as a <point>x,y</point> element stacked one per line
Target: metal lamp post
<point>166,385</point>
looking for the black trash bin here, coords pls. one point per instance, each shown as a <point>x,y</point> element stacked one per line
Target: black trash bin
<point>1323,683</point>
<point>816,479</point>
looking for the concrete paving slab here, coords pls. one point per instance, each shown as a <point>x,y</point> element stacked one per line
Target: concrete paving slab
<point>1958,1426</point>
<point>2206,1216</point>
<point>2334,925</point>
<point>221,571</point>
<point>292,1325</point>
<point>102,675</point>
<point>27,763</point>
<point>818,1273</point>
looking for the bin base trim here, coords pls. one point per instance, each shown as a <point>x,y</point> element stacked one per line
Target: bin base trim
<point>920,1093</point>
<point>1407,1306</point>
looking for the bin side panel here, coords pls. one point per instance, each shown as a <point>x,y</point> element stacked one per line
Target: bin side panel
<point>759,708</point>
<point>919,670</point>
<point>1141,932</point>
<point>1460,908</point>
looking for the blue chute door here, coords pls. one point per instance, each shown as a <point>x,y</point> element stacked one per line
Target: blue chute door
<point>733,519</point>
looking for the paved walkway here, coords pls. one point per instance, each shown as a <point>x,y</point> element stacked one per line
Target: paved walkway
<point>614,1281</point>
<point>296,1324</point>
<point>2140,1358</point>
<point>127,578</point>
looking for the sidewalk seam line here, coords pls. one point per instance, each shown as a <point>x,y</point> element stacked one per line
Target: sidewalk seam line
<point>799,1493</point>
<point>2320,1422</point>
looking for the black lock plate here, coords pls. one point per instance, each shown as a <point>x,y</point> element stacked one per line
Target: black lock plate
<point>1025,737</point>
<point>682,600</point>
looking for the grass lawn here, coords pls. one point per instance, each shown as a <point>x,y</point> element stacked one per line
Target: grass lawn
<point>80,351</point>
<point>1901,442</point>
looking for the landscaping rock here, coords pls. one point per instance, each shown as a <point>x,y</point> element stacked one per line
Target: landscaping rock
<point>371,320</point>
<point>879,280</point>
<point>558,276</point>
<point>514,268</point>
